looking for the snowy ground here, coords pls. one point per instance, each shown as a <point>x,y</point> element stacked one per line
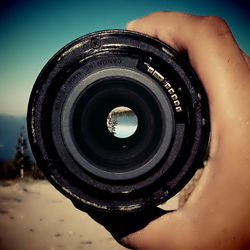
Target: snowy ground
<point>33,215</point>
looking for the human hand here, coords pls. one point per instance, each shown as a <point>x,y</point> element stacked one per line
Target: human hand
<point>217,215</point>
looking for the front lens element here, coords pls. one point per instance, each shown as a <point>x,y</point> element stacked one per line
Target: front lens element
<point>122,122</point>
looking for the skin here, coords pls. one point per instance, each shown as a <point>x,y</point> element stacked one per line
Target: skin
<point>217,215</point>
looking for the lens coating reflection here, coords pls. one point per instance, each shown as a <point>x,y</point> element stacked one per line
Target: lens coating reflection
<point>122,122</point>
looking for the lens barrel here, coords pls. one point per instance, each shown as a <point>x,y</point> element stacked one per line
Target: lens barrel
<point>69,121</point>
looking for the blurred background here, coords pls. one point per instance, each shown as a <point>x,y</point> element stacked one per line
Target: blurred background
<point>30,33</point>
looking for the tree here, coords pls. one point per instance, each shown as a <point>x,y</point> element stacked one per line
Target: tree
<point>22,159</point>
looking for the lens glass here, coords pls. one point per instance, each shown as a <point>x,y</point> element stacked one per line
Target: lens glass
<point>122,122</point>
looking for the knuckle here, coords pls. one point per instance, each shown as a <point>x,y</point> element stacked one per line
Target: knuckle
<point>213,25</point>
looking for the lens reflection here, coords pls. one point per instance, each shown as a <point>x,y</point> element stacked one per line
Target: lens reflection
<point>122,122</point>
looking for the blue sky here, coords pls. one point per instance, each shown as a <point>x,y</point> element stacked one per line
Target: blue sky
<point>32,31</point>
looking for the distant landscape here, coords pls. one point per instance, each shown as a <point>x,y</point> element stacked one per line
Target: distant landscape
<point>16,159</point>
<point>10,127</point>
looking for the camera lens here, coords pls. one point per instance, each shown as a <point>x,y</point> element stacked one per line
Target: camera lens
<point>118,121</point>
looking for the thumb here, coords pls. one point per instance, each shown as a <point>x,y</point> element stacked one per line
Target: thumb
<point>170,231</point>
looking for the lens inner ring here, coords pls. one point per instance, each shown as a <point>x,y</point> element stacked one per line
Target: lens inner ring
<point>147,83</point>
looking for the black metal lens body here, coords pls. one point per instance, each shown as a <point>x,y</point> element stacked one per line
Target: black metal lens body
<point>67,121</point>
